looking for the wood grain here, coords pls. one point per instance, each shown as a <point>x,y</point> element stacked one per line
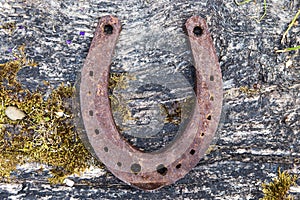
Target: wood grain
<point>259,130</point>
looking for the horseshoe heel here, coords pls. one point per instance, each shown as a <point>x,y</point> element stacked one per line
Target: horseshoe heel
<point>153,170</point>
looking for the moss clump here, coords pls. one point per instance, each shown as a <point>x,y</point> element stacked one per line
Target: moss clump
<point>172,112</point>
<point>119,105</point>
<point>9,27</point>
<point>278,189</point>
<point>250,91</point>
<point>46,135</point>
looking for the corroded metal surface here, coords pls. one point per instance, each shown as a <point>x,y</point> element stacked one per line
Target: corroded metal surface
<point>149,170</point>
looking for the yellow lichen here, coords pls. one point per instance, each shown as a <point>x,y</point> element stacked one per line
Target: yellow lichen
<point>278,189</point>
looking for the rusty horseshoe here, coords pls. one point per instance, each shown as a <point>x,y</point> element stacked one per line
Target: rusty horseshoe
<point>152,170</point>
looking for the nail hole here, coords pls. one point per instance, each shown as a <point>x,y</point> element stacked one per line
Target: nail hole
<point>211,78</point>
<point>89,93</point>
<point>192,152</point>
<point>97,131</point>
<point>119,164</point>
<point>161,169</point>
<point>211,98</point>
<point>208,117</point>
<point>108,29</point>
<point>91,73</point>
<point>91,113</point>
<point>135,168</point>
<point>202,134</point>
<point>198,31</point>
<point>105,149</point>
<point>178,166</point>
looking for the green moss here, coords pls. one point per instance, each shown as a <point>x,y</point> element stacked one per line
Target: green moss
<point>279,187</point>
<point>9,27</point>
<point>46,135</point>
<point>250,91</point>
<point>172,115</point>
<point>119,81</point>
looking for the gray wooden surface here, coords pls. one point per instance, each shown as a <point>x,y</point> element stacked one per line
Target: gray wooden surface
<point>258,132</point>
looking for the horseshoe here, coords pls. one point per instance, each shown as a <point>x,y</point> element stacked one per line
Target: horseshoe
<point>148,171</point>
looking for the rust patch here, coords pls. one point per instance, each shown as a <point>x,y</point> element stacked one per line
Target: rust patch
<point>148,171</point>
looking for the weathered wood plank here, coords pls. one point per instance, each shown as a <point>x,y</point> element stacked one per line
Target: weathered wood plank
<point>258,132</point>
